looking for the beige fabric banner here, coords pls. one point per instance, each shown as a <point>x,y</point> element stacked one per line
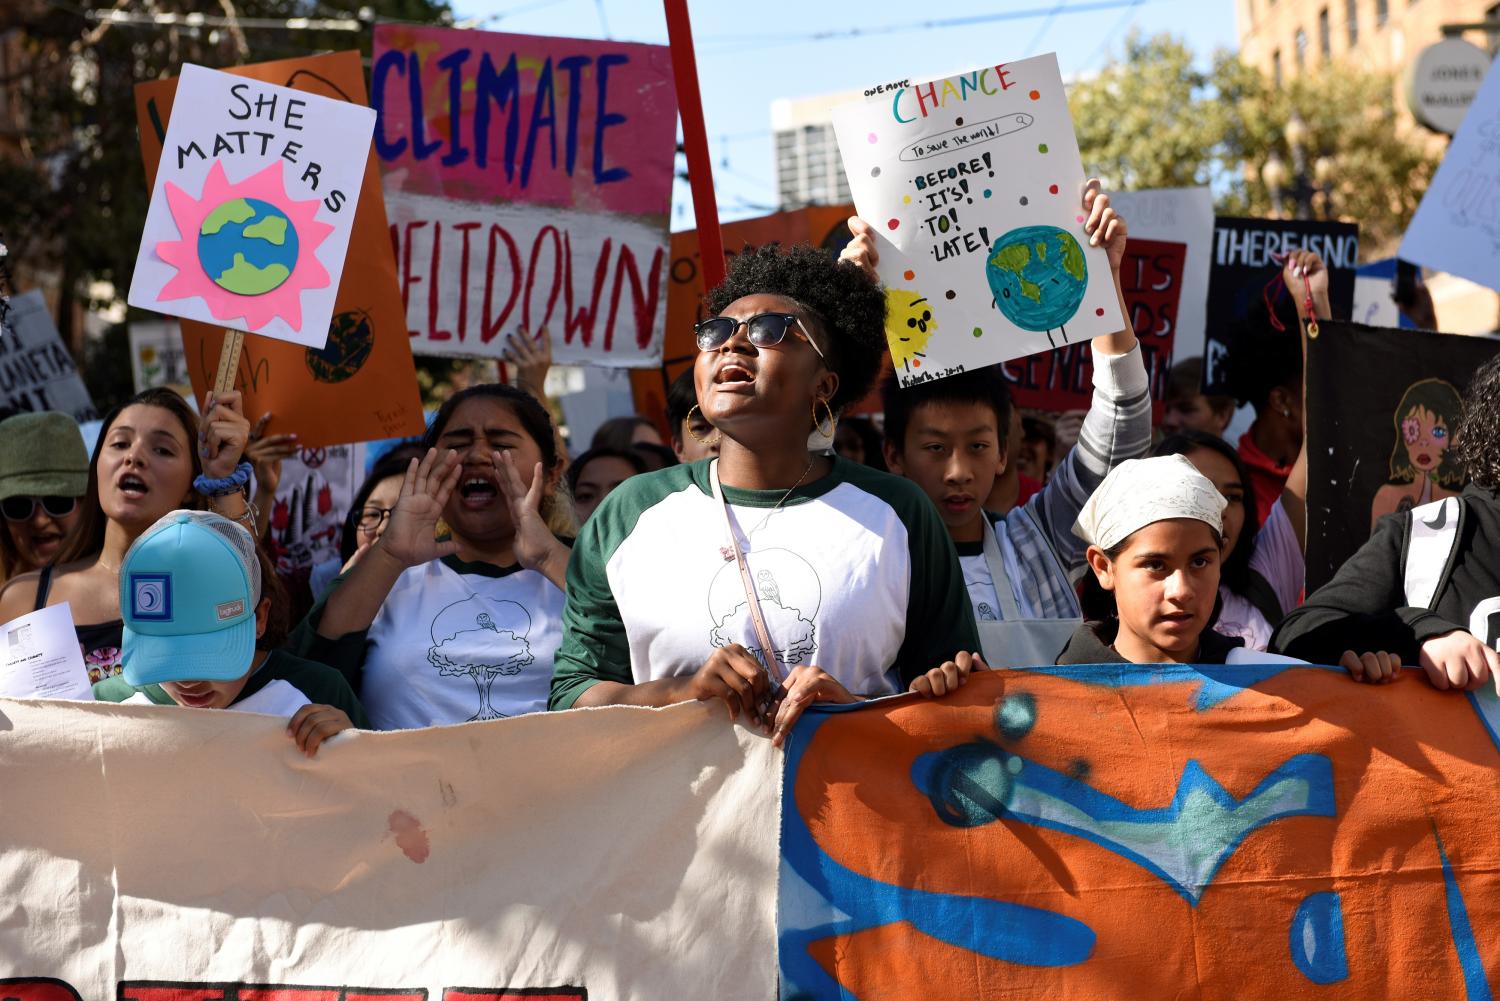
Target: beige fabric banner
<point>612,853</point>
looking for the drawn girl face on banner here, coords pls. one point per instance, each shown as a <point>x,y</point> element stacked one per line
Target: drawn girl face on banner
<point>1425,420</point>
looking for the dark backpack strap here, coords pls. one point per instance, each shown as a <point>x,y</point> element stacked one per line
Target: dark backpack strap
<point>1259,592</point>
<point>43,587</point>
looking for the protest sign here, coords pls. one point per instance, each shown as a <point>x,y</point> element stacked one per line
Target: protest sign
<point>1246,281</point>
<point>1177,215</point>
<point>1457,226</point>
<point>157,357</point>
<point>1153,831</point>
<point>1383,407</point>
<point>1152,279</point>
<point>361,384</point>
<point>306,522</point>
<point>36,370</point>
<point>40,657</point>
<point>1257,830</point>
<point>973,187</point>
<point>252,207</point>
<point>529,181</point>
<point>462,863</point>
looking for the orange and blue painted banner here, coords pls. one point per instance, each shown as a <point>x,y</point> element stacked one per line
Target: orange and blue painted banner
<point>1146,831</point>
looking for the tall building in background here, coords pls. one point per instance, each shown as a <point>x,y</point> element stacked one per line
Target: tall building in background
<point>1288,38</point>
<point>808,169</point>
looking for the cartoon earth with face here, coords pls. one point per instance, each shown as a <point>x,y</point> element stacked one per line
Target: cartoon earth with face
<point>1038,276</point>
<point>247,246</point>
<point>909,325</point>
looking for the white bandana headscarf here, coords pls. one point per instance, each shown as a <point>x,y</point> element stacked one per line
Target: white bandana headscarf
<point>1141,492</point>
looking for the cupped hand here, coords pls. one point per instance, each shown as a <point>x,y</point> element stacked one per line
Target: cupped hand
<point>409,535</point>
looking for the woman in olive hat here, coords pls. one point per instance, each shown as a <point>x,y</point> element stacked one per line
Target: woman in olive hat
<point>44,470</point>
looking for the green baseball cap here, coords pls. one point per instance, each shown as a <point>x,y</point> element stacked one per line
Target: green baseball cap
<point>42,455</point>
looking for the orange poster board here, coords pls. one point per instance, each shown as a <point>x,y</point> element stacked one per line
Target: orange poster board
<point>362,384</point>
<point>820,225</point>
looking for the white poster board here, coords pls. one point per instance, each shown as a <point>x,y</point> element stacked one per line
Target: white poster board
<point>40,657</point>
<point>253,206</point>
<point>157,357</point>
<point>36,369</point>
<point>1178,215</point>
<point>1457,225</point>
<point>973,184</point>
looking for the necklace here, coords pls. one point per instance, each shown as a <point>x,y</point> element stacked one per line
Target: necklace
<point>729,553</point>
<point>99,561</point>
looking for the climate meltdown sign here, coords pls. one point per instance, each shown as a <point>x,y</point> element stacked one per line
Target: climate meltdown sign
<point>528,182</point>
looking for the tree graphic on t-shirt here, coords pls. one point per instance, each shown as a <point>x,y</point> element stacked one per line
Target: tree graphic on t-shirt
<point>481,638</point>
<point>789,593</point>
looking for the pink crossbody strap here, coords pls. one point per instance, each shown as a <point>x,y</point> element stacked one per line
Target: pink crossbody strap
<point>762,633</point>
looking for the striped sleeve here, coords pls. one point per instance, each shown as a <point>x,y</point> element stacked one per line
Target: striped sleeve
<point>1117,428</point>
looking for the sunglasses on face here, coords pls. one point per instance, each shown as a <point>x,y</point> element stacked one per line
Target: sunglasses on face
<point>764,329</point>
<point>22,508</point>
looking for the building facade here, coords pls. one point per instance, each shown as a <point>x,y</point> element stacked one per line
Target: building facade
<point>808,168</point>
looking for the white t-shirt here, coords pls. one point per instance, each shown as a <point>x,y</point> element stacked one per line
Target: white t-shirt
<point>456,642</point>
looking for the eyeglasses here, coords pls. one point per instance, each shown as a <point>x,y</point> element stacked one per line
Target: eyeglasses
<point>22,508</point>
<point>371,518</point>
<point>766,330</point>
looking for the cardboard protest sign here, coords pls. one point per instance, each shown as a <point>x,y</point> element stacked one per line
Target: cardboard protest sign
<point>529,181</point>
<point>252,207</point>
<point>973,186</point>
<point>1457,227</point>
<point>157,357</point>
<point>1259,830</point>
<point>36,370</point>
<point>361,384</point>
<point>1178,215</point>
<point>1246,281</point>
<point>1383,406</point>
<point>1152,278</point>
<point>307,517</point>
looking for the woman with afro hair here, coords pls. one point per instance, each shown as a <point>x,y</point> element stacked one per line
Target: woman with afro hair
<point>1426,587</point>
<point>771,577</point>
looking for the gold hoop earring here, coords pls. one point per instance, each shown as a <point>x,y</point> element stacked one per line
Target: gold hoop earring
<point>833,420</point>
<point>687,425</point>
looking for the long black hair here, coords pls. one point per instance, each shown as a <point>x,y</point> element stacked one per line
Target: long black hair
<point>535,420</point>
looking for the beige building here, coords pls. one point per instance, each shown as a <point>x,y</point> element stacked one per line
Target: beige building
<point>1289,38</point>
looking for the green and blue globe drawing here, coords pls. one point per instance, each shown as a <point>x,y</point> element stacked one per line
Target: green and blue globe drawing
<point>247,246</point>
<point>1038,276</point>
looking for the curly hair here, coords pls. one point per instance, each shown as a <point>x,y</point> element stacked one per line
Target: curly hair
<point>1478,444</point>
<point>842,299</point>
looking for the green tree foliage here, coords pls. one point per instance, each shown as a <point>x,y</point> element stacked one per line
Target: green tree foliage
<point>73,194</point>
<point>1159,118</point>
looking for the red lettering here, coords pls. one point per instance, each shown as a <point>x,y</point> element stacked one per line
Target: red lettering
<point>926,103</point>
<point>1003,76</point>
<point>643,301</point>
<point>36,989</point>
<point>488,330</point>
<point>152,991</point>
<point>584,319</point>
<point>434,282</point>
<point>407,278</point>
<point>531,994</point>
<point>463,278</point>
<point>557,276</point>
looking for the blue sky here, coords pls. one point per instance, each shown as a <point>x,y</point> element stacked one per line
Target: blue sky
<point>751,52</point>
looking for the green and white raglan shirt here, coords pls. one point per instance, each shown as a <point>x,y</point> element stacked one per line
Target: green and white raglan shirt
<point>855,574</point>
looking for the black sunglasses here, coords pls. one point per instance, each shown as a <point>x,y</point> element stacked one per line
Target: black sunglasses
<point>22,508</point>
<point>765,330</point>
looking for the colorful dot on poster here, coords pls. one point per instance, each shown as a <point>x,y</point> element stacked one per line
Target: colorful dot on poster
<point>906,199</point>
<point>873,137</point>
<point>916,363</point>
<point>958,121</point>
<point>978,331</point>
<point>987,192</point>
<point>1036,95</point>
<point>1079,218</point>
<point>1025,200</point>
<point>1099,311</point>
<point>1053,189</point>
<point>950,293</point>
<point>874,171</point>
<point>1041,147</point>
<point>893,223</point>
<point>908,274</point>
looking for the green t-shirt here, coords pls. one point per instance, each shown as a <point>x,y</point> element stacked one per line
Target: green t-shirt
<point>855,573</point>
<point>321,684</point>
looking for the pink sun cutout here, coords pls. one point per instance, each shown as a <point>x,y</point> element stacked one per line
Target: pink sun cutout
<point>284,300</point>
